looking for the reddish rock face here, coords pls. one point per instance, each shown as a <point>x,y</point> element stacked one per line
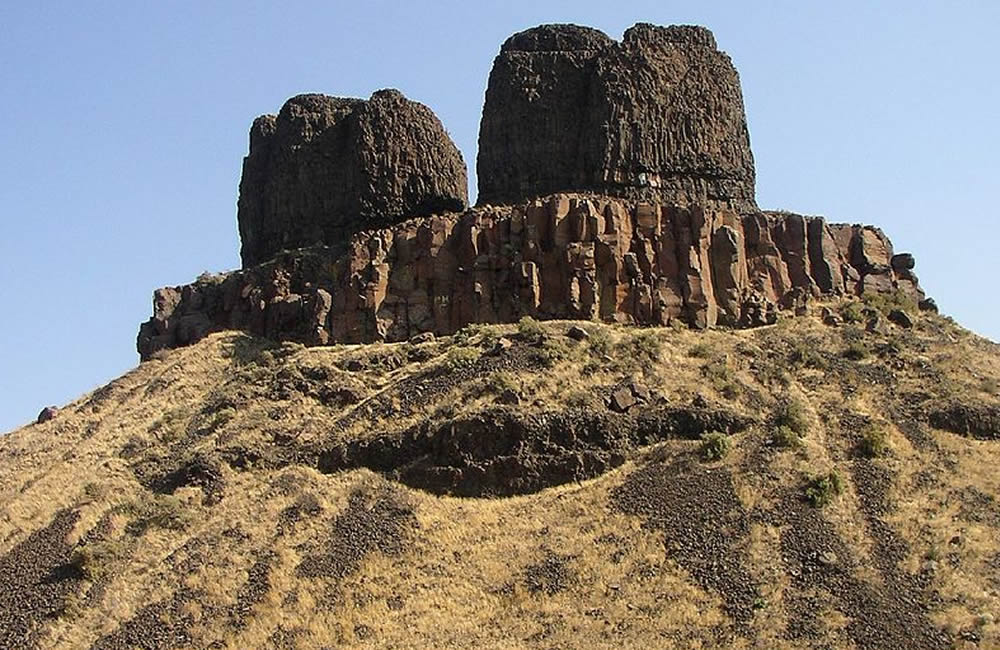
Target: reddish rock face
<point>658,116</point>
<point>327,167</point>
<point>563,256</point>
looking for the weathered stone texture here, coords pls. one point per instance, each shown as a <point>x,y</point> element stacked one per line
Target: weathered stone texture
<point>327,167</point>
<point>657,116</point>
<point>562,256</point>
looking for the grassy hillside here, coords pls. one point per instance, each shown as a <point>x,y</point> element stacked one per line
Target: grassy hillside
<point>800,485</point>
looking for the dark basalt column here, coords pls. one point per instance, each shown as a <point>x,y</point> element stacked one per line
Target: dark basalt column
<point>658,116</point>
<point>327,167</point>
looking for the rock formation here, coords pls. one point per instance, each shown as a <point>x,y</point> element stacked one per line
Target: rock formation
<point>663,229</point>
<point>562,256</point>
<point>327,167</point>
<point>657,116</point>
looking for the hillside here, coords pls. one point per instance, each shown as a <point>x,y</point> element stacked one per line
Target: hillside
<point>511,486</point>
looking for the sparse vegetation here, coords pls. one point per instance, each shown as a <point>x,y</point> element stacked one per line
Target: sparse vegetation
<point>530,330</point>
<point>886,302</point>
<point>158,511</point>
<point>874,441</point>
<point>700,351</point>
<point>271,416</point>
<point>793,414</point>
<point>856,351</point>
<point>96,560</point>
<point>852,312</point>
<point>172,424</point>
<point>807,355</point>
<point>821,490</point>
<point>784,436</point>
<point>459,358</point>
<point>714,446</point>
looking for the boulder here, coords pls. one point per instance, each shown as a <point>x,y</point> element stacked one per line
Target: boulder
<point>47,413</point>
<point>901,318</point>
<point>577,333</point>
<point>658,116</point>
<point>326,167</point>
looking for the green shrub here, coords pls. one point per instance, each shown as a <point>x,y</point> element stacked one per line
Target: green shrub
<point>95,491</point>
<point>641,348</point>
<point>785,437</point>
<point>852,312</point>
<point>700,351</point>
<point>599,342</point>
<point>173,423</point>
<point>551,351</point>
<point>821,490</point>
<point>96,560</point>
<point>792,413</point>
<point>500,382</point>
<point>459,358</point>
<point>886,302</point>
<point>530,330</point>
<point>158,511</point>
<point>480,334</point>
<point>806,355</point>
<point>874,441</point>
<point>714,446</point>
<point>856,351</point>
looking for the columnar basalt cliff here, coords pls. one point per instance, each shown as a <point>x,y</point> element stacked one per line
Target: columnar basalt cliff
<point>327,167</point>
<point>657,116</point>
<point>562,256</point>
<point>616,183</point>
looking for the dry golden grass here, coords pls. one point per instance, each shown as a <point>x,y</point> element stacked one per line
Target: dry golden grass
<point>563,567</point>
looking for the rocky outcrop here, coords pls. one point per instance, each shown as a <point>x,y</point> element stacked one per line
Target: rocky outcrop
<point>657,116</point>
<point>327,167</point>
<point>563,256</point>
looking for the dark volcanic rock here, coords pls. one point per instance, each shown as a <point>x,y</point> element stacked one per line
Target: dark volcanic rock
<point>326,167</point>
<point>657,116</point>
<point>561,257</point>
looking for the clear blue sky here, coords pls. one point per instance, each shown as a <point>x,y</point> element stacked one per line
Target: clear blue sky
<point>124,125</point>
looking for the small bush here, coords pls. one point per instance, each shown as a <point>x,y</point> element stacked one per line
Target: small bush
<point>641,349</point>
<point>159,511</point>
<point>700,351</point>
<point>806,355</point>
<point>219,419</point>
<point>599,342</point>
<point>500,382</point>
<point>480,334</point>
<point>821,490</point>
<point>856,351</point>
<point>874,442</point>
<point>886,302</point>
<point>792,413</point>
<point>786,438</point>
<point>96,560</point>
<point>530,330</point>
<point>95,491</point>
<point>173,423</point>
<point>551,351</point>
<point>460,358</point>
<point>852,312</point>
<point>714,446</point>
